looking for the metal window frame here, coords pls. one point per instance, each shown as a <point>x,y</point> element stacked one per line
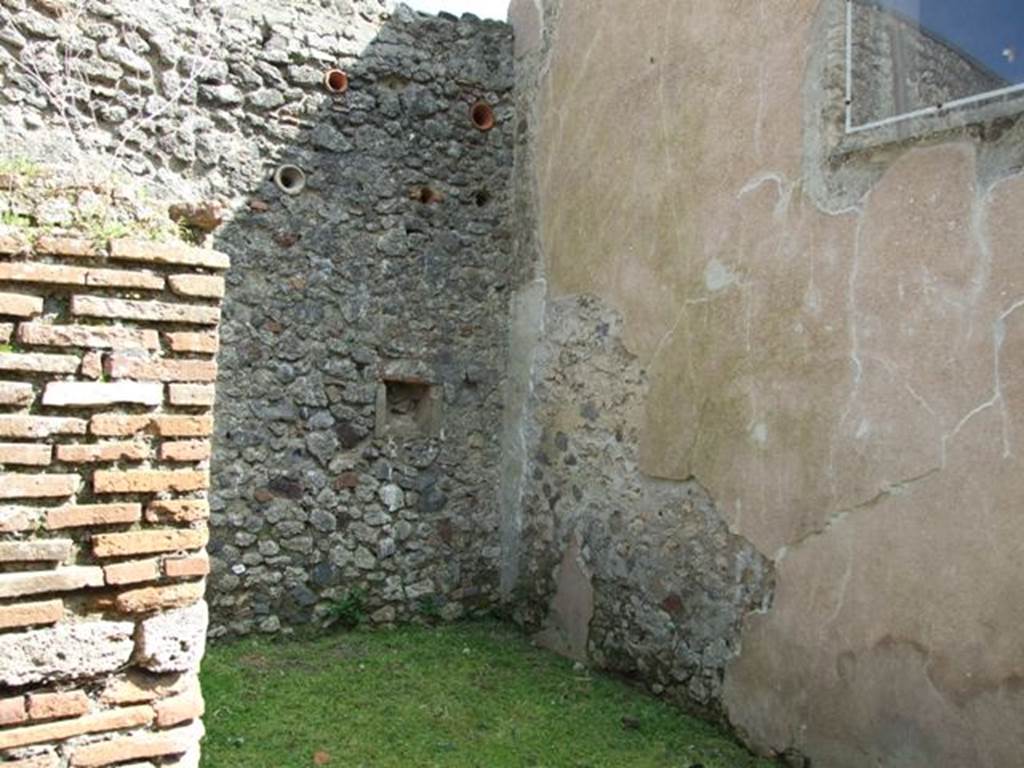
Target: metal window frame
<point>937,110</point>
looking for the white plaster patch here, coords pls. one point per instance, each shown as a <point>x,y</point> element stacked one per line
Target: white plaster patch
<point>760,433</point>
<point>717,276</point>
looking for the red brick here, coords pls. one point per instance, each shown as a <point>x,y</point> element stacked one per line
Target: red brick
<point>37,486</point>
<point>91,336</point>
<point>29,614</point>
<point>88,394</point>
<point>183,426</point>
<point>46,760</point>
<point>186,567</point>
<point>188,341</point>
<point>65,246</point>
<point>92,365</point>
<point>12,711</point>
<point>154,311</point>
<point>178,511</point>
<point>12,241</point>
<point>118,278</point>
<point>16,393</point>
<point>133,450</point>
<point>185,450</point>
<point>26,454</point>
<point>38,363</point>
<point>181,708</point>
<point>149,481</point>
<point>20,305</point>
<point>167,253</point>
<point>132,571</point>
<point>137,686</point>
<point>117,424</point>
<point>148,541</point>
<point>61,580</point>
<point>40,426</point>
<point>16,519</point>
<point>35,551</point>
<point>51,706</point>
<point>164,598</point>
<point>191,394</point>
<point>202,286</point>
<point>127,366</point>
<point>31,272</point>
<point>110,720</point>
<point>86,515</point>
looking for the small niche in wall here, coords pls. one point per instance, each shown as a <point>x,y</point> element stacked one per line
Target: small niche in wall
<point>407,406</point>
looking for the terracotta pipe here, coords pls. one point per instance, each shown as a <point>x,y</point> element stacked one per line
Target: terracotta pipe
<point>482,116</point>
<point>336,81</point>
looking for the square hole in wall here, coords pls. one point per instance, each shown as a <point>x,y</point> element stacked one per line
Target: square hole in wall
<point>408,408</point>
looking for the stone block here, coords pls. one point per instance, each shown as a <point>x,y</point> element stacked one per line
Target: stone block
<point>65,652</point>
<point>174,641</point>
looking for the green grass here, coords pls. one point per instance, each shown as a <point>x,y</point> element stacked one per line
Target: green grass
<point>474,695</point>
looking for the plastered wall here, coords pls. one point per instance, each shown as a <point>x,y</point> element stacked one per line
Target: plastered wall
<point>824,340</point>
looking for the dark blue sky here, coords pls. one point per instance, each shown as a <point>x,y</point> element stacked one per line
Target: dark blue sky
<point>982,28</point>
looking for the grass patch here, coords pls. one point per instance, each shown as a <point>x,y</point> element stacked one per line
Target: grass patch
<point>474,695</point>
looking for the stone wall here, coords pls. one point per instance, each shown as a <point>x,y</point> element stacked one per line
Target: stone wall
<point>365,320</point>
<point>107,390</point>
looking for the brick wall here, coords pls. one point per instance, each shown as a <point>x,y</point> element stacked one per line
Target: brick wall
<point>106,392</point>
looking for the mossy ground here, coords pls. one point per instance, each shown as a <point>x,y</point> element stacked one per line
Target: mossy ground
<point>474,695</point>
